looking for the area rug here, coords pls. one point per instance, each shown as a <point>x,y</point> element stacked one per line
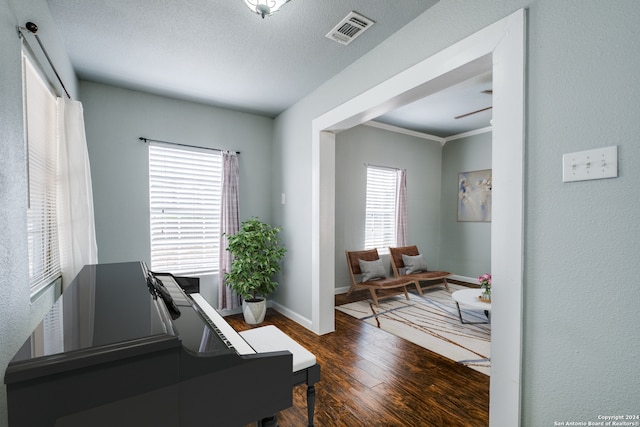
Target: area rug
<point>432,322</point>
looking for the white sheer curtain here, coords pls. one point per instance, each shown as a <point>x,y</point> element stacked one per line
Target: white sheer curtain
<point>229,225</point>
<point>75,197</point>
<point>401,207</point>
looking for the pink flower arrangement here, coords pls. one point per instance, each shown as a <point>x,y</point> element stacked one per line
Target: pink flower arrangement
<point>485,281</point>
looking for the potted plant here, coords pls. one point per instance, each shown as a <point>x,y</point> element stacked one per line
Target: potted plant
<point>256,260</point>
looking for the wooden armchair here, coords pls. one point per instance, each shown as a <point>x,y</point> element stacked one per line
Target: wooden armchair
<point>398,265</point>
<point>374,285</point>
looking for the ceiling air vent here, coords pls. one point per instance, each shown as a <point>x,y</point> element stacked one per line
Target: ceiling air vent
<point>349,28</point>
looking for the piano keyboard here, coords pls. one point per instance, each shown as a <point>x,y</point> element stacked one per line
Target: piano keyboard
<point>221,327</point>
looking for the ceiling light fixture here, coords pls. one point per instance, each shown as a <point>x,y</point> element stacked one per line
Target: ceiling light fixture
<point>265,7</point>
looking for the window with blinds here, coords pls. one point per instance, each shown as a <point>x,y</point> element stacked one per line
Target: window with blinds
<point>41,142</point>
<point>380,222</point>
<point>184,197</point>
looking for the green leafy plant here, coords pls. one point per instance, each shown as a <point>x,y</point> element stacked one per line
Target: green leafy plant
<point>256,260</point>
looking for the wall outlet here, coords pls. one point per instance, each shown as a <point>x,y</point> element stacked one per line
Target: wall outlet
<point>591,164</point>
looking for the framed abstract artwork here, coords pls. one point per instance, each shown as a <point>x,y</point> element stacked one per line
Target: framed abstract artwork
<point>474,196</point>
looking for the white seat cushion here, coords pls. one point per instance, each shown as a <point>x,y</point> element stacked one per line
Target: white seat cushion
<point>269,338</point>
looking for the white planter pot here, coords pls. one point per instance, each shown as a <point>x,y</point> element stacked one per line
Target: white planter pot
<point>254,310</point>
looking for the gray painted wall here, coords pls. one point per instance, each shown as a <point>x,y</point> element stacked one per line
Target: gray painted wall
<point>18,316</point>
<point>465,247</point>
<point>422,160</point>
<point>581,244</point>
<point>114,120</point>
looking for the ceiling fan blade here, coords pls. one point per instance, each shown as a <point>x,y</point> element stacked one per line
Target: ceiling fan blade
<point>473,112</point>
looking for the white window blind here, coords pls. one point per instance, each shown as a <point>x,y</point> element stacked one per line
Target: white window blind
<point>42,222</point>
<point>380,223</point>
<point>184,199</point>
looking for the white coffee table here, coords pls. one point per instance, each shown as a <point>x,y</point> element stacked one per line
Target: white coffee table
<point>469,297</point>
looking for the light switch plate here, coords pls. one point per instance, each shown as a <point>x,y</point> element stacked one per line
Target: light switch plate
<point>591,164</point>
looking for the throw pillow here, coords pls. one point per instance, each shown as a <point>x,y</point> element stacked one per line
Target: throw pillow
<point>414,264</point>
<point>372,270</point>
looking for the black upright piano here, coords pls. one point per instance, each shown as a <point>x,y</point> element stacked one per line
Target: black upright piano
<point>123,347</point>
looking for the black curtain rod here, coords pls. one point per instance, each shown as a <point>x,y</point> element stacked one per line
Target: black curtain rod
<point>33,29</point>
<point>143,139</point>
<point>382,167</point>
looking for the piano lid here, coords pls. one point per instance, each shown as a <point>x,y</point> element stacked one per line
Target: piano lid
<point>105,304</point>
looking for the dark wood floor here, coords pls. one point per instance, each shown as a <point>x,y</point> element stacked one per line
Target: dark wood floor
<point>372,378</point>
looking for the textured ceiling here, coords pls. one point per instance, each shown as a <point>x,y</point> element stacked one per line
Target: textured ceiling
<point>436,114</point>
<point>219,53</point>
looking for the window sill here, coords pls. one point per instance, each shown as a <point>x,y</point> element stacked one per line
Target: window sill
<point>55,286</point>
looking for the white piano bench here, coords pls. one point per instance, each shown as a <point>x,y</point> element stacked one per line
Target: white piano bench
<point>305,369</point>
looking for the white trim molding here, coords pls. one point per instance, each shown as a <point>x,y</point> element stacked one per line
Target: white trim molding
<point>466,134</point>
<point>471,280</point>
<point>404,131</point>
<point>290,314</point>
<point>500,47</point>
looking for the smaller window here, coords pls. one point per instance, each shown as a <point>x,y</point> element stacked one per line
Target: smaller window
<point>380,223</point>
<point>184,198</point>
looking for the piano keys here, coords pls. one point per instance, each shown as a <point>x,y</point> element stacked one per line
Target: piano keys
<point>263,339</point>
<point>111,353</point>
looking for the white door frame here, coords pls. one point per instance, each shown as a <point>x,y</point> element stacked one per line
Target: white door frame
<point>503,45</point>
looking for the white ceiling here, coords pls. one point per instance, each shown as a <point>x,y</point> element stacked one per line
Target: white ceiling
<point>436,114</point>
<point>217,52</point>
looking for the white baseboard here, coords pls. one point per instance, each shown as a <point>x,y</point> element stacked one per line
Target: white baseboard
<point>472,280</point>
<point>277,307</point>
<point>229,312</point>
<point>342,290</point>
<point>337,291</point>
<point>291,315</point>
